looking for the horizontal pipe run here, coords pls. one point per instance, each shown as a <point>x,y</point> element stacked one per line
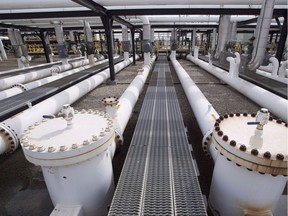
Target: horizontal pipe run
<point>202,109</point>
<point>17,89</point>
<point>129,98</point>
<point>276,104</point>
<point>54,104</point>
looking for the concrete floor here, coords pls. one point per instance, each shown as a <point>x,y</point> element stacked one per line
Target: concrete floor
<point>23,191</point>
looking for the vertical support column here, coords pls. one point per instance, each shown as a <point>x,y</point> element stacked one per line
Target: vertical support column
<point>73,43</point>
<point>2,51</point>
<point>173,43</point>
<point>283,38</point>
<point>214,39</point>
<point>90,48</point>
<point>152,40</point>
<point>233,36</point>
<point>125,42</point>
<point>61,46</point>
<point>133,44</point>
<point>46,46</point>
<point>194,39</point>
<point>20,49</point>
<point>107,23</point>
<point>223,33</point>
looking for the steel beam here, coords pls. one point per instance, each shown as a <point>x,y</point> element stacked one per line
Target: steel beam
<point>282,40</point>
<point>45,46</point>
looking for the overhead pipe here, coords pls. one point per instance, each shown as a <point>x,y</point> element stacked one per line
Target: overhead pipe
<point>146,43</point>
<point>261,34</point>
<point>63,4</point>
<point>276,104</point>
<point>19,88</point>
<point>35,75</point>
<point>15,126</point>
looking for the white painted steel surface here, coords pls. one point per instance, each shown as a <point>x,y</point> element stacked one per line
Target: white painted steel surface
<point>75,159</point>
<point>54,104</point>
<point>16,90</point>
<point>274,103</point>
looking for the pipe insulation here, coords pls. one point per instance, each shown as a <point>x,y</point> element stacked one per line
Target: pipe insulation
<point>261,34</point>
<point>146,43</point>
<point>274,103</point>
<point>35,75</point>
<point>20,122</point>
<point>18,89</point>
<point>3,54</point>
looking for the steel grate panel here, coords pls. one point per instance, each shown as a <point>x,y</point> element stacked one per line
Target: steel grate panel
<point>158,177</point>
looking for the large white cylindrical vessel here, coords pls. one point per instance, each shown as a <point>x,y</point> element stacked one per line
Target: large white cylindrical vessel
<point>250,170</point>
<point>75,159</point>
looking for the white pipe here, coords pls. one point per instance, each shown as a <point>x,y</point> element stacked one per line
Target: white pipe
<point>202,109</point>
<point>261,34</point>
<point>146,36</point>
<point>194,39</point>
<point>223,33</point>
<point>268,75</point>
<point>125,39</point>
<point>2,51</point>
<point>53,105</point>
<point>275,64</point>
<point>276,104</point>
<point>283,69</point>
<point>35,4</point>
<point>234,65</point>
<point>35,75</point>
<point>17,90</point>
<point>129,98</point>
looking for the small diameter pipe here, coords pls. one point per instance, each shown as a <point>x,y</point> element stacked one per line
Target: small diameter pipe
<point>54,104</point>
<point>202,109</point>
<point>276,104</point>
<point>17,89</point>
<point>35,75</point>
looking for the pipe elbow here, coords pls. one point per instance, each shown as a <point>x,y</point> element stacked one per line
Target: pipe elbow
<point>238,58</point>
<point>231,60</point>
<point>144,19</point>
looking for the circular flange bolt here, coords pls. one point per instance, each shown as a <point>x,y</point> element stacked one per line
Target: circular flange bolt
<point>20,86</point>
<point>9,138</point>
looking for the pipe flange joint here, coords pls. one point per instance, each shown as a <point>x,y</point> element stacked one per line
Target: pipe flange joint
<point>126,46</point>
<point>62,51</point>
<point>9,137</point>
<point>146,46</point>
<point>119,140</point>
<point>206,142</point>
<point>20,86</point>
<point>90,48</point>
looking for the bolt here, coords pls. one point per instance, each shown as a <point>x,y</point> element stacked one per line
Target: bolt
<point>26,143</point>
<point>102,134</point>
<point>270,118</point>
<point>32,147</point>
<point>63,148</point>
<point>37,123</point>
<point>31,127</point>
<point>217,128</point>
<point>254,152</point>
<point>90,111</point>
<point>95,138</point>
<point>40,149</point>
<point>51,149</point>
<point>85,142</point>
<point>225,116</point>
<point>233,143</point>
<point>74,146</point>
<point>231,114</point>
<point>225,138</point>
<point>267,154</point>
<point>279,121</point>
<point>245,114</point>
<point>242,148</point>
<point>107,129</point>
<point>218,120</point>
<point>253,115</point>
<point>237,114</point>
<point>280,156</point>
<point>220,133</point>
<point>216,124</point>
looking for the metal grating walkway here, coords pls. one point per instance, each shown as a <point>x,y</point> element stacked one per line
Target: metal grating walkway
<point>158,177</point>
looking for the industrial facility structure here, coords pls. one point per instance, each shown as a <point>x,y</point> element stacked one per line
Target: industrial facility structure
<point>143,108</point>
